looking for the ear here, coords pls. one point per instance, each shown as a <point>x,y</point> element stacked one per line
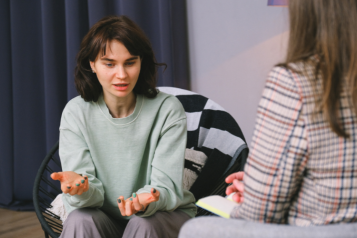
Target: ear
<point>92,66</point>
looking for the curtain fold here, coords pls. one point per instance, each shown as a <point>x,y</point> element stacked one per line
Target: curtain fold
<point>39,41</point>
<point>6,113</point>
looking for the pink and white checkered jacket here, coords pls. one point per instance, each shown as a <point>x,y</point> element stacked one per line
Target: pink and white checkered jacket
<point>299,171</point>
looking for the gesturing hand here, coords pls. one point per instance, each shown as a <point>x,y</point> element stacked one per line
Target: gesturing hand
<point>71,182</point>
<point>137,203</point>
<point>237,186</point>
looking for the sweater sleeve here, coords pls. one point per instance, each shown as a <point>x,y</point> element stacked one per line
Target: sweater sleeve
<point>167,169</point>
<point>75,156</point>
<point>278,157</point>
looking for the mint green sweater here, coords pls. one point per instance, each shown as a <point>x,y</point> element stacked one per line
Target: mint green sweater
<point>124,155</point>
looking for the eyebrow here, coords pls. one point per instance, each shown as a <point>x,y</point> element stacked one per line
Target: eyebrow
<point>111,60</point>
<point>133,58</point>
<point>107,59</point>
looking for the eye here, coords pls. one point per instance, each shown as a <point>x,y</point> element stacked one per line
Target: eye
<point>130,63</point>
<point>109,65</point>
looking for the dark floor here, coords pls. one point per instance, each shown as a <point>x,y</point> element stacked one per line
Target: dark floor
<point>14,224</point>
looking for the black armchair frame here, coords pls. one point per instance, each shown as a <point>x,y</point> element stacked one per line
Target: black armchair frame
<point>45,191</point>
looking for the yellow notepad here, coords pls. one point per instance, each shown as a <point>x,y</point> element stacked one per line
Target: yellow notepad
<point>217,205</point>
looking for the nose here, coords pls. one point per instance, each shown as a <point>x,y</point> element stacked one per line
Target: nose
<point>120,72</point>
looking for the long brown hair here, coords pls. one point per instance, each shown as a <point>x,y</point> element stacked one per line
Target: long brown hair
<point>326,29</point>
<point>95,42</point>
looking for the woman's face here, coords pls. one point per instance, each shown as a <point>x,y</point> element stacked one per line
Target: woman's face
<point>117,71</point>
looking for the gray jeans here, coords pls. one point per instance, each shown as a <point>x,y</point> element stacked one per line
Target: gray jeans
<point>217,227</point>
<point>94,223</point>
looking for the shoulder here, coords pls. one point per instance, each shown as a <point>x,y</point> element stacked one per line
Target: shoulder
<point>77,104</point>
<point>294,73</point>
<point>286,79</point>
<point>282,93</point>
<point>281,74</point>
<point>166,103</point>
<point>78,109</point>
<point>171,101</point>
<point>165,108</point>
<point>166,98</point>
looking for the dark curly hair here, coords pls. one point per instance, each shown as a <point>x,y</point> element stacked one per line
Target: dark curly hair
<point>96,40</point>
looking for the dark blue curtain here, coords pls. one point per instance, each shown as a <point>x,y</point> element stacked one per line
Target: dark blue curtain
<point>39,40</point>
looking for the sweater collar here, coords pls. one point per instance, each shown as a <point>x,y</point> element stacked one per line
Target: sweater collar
<point>125,120</point>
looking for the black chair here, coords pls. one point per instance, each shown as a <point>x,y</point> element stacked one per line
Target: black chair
<point>210,180</point>
<point>213,131</point>
<point>45,191</point>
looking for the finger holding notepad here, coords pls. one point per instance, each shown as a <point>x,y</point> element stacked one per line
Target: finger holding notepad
<point>223,206</point>
<point>235,191</point>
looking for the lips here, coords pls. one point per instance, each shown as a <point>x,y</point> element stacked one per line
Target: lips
<point>121,86</point>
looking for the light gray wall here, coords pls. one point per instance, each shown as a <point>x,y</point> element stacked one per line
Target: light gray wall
<point>233,44</point>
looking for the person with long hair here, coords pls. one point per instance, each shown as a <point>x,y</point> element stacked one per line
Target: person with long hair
<point>302,168</point>
<point>122,142</point>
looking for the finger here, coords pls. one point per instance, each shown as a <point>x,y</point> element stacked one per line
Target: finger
<point>129,207</point>
<point>80,191</point>
<point>66,188</point>
<point>57,176</point>
<point>231,189</point>
<point>121,205</point>
<point>238,197</point>
<point>75,188</point>
<point>238,175</point>
<point>81,187</point>
<point>136,203</point>
<point>238,185</point>
<point>155,194</point>
<point>86,183</point>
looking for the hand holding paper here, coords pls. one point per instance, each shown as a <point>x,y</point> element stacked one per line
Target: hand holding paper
<point>224,206</point>
<point>237,186</point>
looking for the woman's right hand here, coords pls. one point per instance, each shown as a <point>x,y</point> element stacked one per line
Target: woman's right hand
<point>71,182</point>
<point>236,186</point>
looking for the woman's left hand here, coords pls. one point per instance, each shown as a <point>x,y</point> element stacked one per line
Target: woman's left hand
<point>137,203</point>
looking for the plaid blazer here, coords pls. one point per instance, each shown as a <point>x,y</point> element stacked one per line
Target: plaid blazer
<point>299,171</point>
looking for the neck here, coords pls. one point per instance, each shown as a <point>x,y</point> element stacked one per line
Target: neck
<point>120,107</point>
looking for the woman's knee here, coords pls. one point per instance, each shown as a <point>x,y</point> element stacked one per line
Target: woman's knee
<point>81,217</point>
<point>140,223</point>
<point>161,224</point>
